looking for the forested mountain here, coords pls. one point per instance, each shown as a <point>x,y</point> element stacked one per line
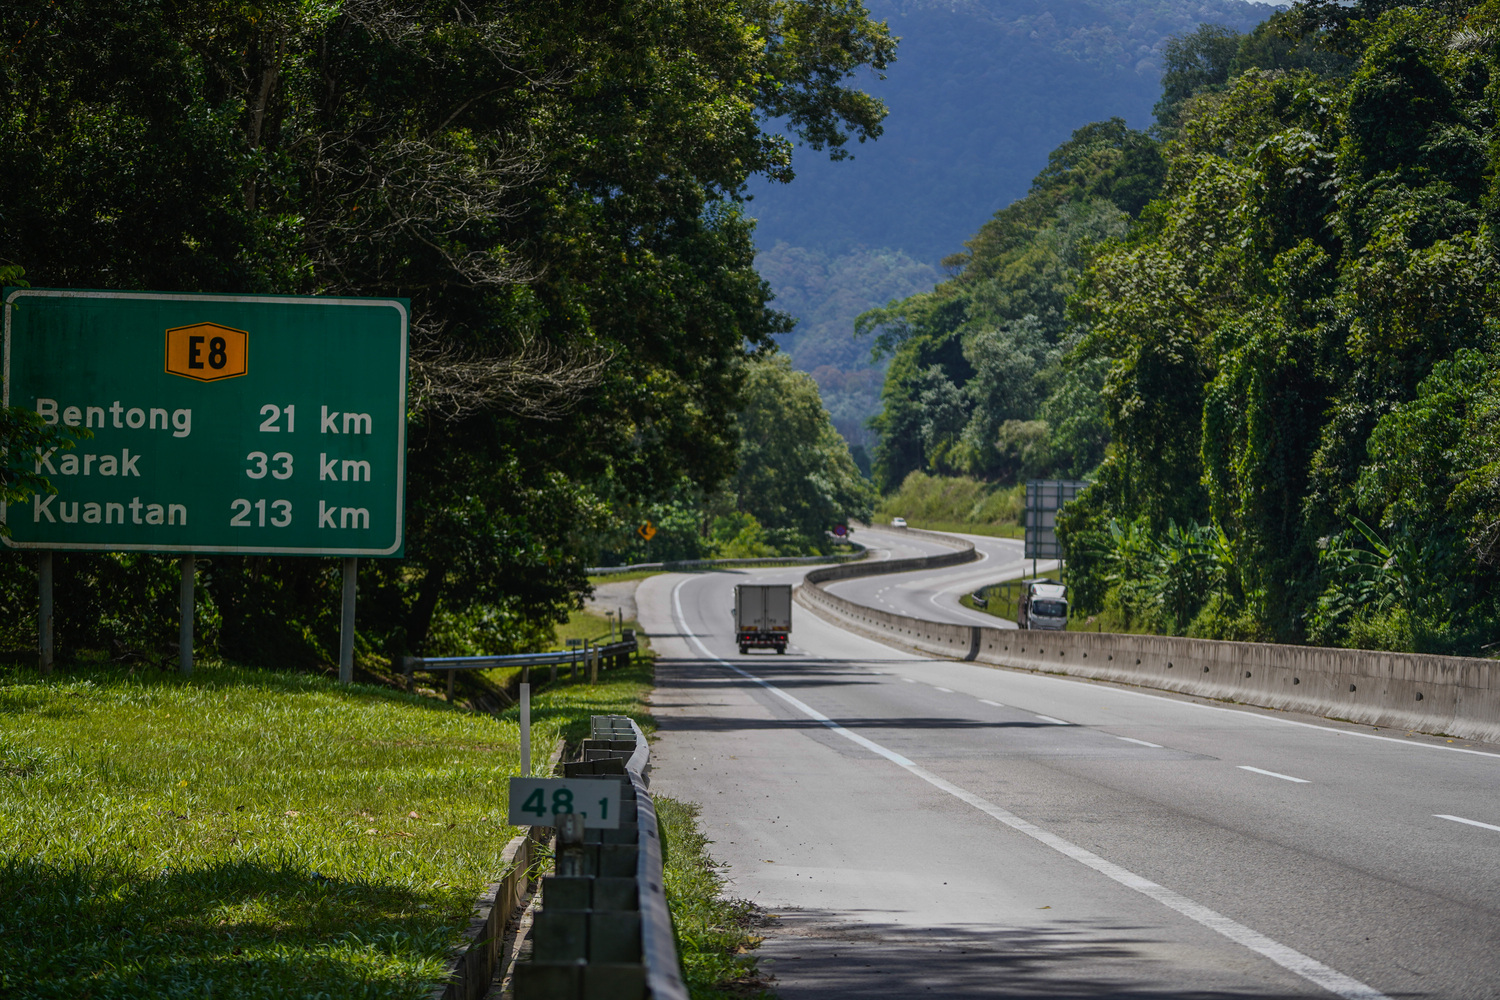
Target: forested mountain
<point>826,292</point>
<point>1273,349</point>
<point>981,90</point>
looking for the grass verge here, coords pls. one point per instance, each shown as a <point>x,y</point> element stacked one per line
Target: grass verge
<point>715,936</point>
<point>252,833</point>
<point>636,574</point>
<point>955,503</point>
<point>587,624</point>
<point>965,528</point>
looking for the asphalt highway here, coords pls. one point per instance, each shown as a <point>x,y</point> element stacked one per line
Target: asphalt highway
<point>935,828</point>
<point>933,594</point>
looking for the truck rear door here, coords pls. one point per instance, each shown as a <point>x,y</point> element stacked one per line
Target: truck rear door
<point>752,606</point>
<point>778,605</point>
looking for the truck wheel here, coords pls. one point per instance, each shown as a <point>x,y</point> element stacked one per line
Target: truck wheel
<point>781,649</point>
<point>744,650</point>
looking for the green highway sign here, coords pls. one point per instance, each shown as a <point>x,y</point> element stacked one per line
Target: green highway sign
<point>221,423</point>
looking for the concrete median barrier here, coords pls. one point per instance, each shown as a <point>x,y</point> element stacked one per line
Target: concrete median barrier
<point>1448,695</point>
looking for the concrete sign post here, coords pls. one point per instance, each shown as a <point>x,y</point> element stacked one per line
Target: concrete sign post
<point>220,424</point>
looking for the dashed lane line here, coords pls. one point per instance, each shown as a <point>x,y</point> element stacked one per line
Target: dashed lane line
<point>1055,722</point>
<point>1273,774</point>
<point>1131,739</point>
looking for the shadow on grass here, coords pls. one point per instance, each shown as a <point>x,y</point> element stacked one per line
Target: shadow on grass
<point>242,928</point>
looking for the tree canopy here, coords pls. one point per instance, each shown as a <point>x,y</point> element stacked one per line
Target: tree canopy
<point>555,186</point>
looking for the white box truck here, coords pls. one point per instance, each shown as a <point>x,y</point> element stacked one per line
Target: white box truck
<point>1044,605</point>
<point>762,616</point>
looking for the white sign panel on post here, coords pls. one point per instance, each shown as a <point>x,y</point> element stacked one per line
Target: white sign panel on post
<point>539,801</point>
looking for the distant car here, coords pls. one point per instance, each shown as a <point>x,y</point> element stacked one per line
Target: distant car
<point>898,522</point>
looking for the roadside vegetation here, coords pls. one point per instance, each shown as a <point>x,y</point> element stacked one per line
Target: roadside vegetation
<point>251,832</point>
<point>955,503</point>
<point>636,574</point>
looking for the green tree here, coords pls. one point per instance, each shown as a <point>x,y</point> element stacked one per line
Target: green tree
<point>1298,342</point>
<point>23,434</point>
<point>997,330</point>
<point>795,475</point>
<point>1193,64</point>
<point>555,186</point>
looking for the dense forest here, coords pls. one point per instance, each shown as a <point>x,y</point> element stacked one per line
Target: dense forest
<point>556,186</point>
<point>1265,329</point>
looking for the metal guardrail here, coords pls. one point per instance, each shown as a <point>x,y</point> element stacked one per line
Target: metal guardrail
<point>590,939</point>
<point>625,646</point>
<point>598,656</point>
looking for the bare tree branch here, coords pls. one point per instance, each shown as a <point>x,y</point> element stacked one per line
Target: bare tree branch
<point>536,380</point>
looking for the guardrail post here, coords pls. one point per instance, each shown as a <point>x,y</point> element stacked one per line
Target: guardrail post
<point>44,616</point>
<point>570,845</point>
<point>185,627</point>
<point>346,628</point>
<point>525,724</point>
<point>450,684</point>
<point>593,662</point>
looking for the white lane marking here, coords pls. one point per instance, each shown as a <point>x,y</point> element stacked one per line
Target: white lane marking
<point>1055,722</point>
<point>1293,961</point>
<point>908,680</point>
<point>986,701</point>
<point>1273,774</point>
<point>1131,739</point>
<point>1471,822</point>
<point>982,619</point>
<point>944,690</point>
<point>1293,722</point>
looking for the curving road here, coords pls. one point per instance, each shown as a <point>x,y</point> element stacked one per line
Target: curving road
<point>935,828</point>
<point>933,594</point>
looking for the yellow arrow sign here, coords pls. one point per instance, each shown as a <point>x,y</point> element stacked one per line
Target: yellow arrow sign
<point>646,531</point>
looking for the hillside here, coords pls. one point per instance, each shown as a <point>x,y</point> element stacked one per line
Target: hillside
<point>981,91</point>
